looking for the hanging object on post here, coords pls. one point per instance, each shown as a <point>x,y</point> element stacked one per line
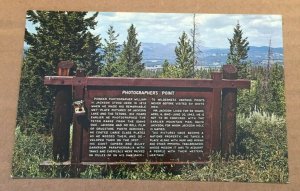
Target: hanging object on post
<point>79,107</point>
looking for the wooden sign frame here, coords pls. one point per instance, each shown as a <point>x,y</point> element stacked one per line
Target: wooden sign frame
<point>219,131</point>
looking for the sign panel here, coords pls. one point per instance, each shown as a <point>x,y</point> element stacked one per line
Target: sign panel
<point>139,125</point>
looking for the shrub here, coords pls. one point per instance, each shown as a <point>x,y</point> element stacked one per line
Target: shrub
<point>263,138</point>
<point>261,146</point>
<point>29,152</point>
<point>262,153</point>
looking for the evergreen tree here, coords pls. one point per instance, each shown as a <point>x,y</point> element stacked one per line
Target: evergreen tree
<point>276,102</point>
<point>111,53</point>
<point>195,41</point>
<point>271,101</point>
<point>193,34</point>
<point>130,61</point>
<point>165,67</point>
<point>170,71</point>
<point>238,51</point>
<point>90,58</point>
<point>185,57</point>
<point>59,36</point>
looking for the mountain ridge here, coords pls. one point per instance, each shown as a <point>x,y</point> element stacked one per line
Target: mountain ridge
<point>155,53</point>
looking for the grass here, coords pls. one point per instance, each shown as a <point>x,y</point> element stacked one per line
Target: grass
<point>261,157</point>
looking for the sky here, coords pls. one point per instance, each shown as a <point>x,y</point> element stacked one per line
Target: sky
<point>213,29</point>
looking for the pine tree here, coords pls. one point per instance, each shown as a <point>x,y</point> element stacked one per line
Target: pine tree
<point>111,53</point>
<point>238,51</point>
<point>90,58</point>
<point>271,101</point>
<point>193,34</point>
<point>184,57</point>
<point>130,62</point>
<point>195,41</point>
<point>59,36</point>
<point>276,101</point>
<point>165,67</point>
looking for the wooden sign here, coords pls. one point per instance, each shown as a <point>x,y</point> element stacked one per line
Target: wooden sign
<point>138,120</point>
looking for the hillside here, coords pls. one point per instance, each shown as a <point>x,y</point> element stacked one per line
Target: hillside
<point>155,53</point>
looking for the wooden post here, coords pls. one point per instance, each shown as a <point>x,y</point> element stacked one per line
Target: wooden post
<point>79,119</point>
<point>62,116</point>
<point>216,113</point>
<point>229,104</point>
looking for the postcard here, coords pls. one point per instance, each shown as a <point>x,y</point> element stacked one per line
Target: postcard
<point>152,96</point>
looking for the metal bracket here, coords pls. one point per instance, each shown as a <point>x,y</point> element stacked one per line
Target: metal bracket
<point>79,107</point>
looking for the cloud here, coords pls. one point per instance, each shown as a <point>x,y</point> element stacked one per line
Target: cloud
<point>213,29</point>
<point>151,27</point>
<point>216,29</point>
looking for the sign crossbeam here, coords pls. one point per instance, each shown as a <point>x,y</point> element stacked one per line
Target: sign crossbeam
<point>145,82</point>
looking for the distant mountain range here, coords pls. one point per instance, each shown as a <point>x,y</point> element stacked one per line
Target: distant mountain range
<point>154,54</point>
